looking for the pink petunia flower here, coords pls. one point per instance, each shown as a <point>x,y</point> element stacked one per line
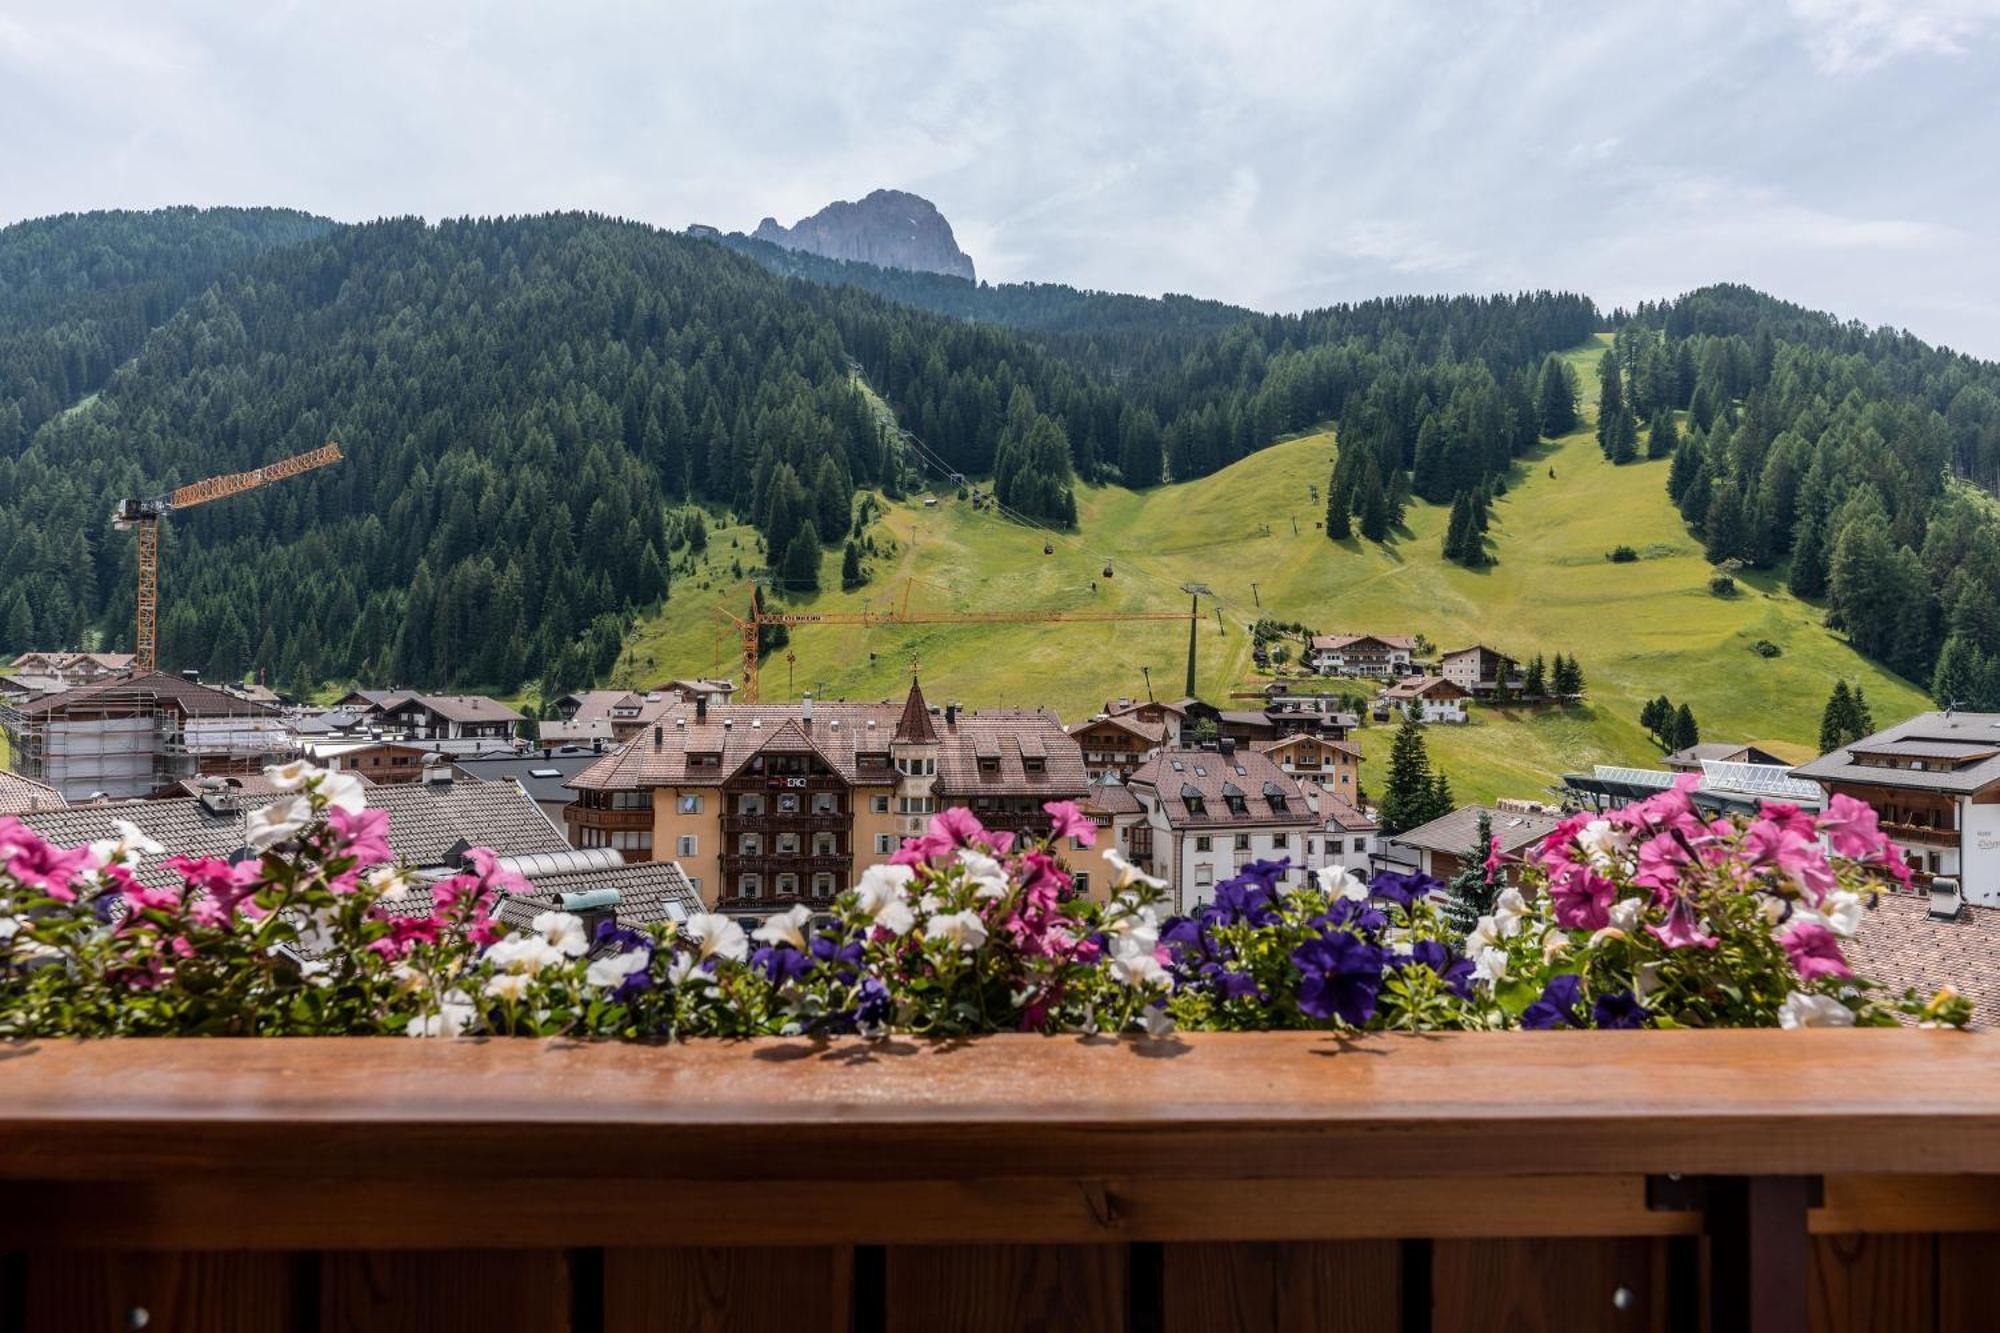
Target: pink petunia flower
<point>1067,821</point>
<point>1852,829</point>
<point>361,834</point>
<point>1582,898</point>
<point>1682,928</point>
<point>36,864</point>
<point>1814,951</point>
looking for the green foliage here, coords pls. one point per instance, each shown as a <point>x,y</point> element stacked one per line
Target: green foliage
<point>1846,719</point>
<point>1622,555</point>
<point>1413,794</point>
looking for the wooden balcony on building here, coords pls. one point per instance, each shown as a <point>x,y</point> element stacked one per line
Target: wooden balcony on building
<point>838,821</point>
<point>1825,1180</point>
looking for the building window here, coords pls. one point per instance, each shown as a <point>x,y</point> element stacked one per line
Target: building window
<point>1083,883</point>
<point>750,844</point>
<point>1203,843</point>
<point>788,886</point>
<point>689,805</point>
<point>626,841</point>
<point>687,845</point>
<point>822,886</point>
<point>826,803</point>
<point>1242,842</point>
<point>879,804</point>
<point>1032,763</point>
<point>1083,844</point>
<point>1281,839</point>
<point>746,805</point>
<point>788,804</point>
<point>694,882</point>
<point>632,800</point>
<point>885,844</point>
<point>916,768</point>
<point>825,844</point>
<point>916,805</point>
<point>788,844</point>
<point>750,886</point>
<point>1204,875</point>
<point>989,763</point>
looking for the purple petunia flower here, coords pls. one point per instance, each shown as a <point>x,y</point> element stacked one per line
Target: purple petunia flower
<point>1340,976</point>
<point>1403,890</point>
<point>781,964</point>
<point>1454,971</point>
<point>1619,1010</point>
<point>1557,1007</point>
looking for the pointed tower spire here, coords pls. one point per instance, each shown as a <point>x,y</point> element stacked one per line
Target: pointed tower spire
<point>915,724</point>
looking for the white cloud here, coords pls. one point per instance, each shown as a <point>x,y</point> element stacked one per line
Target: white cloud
<point>1281,155</point>
<point>1850,36</point>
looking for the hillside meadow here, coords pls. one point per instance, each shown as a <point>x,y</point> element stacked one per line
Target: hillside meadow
<point>1248,534</point>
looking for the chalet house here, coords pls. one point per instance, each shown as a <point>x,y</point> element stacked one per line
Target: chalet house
<point>1174,714</point>
<point>1478,670</point>
<point>456,723</point>
<point>1320,714</point>
<point>376,760</point>
<point>1334,764</point>
<point>1347,834</point>
<point>1934,783</point>
<point>1442,847</point>
<point>1117,745</point>
<point>766,805</point>
<point>1208,813</point>
<point>1429,698</point>
<point>1383,656</point>
<point>72,668</point>
<point>1690,759</point>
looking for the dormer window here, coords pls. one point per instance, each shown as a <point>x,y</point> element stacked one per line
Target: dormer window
<point>1034,763</point>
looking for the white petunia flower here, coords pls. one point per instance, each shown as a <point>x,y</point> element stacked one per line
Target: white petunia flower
<point>391,883</point>
<point>988,876</point>
<point>512,986</point>
<point>271,824</point>
<point>681,967</point>
<point>1803,1010</point>
<point>1602,840</point>
<point>1485,934</point>
<point>883,894</point>
<point>1340,882</point>
<point>1490,964</point>
<point>1510,909</point>
<point>10,926</point>
<point>127,849</point>
<point>454,1017</point>
<point>1133,962</point>
<point>714,935</point>
<point>343,791</point>
<point>1127,874</point>
<point>562,930</point>
<point>787,927</point>
<point>1842,912</point>
<point>964,929</point>
<point>525,954</point>
<point>608,972</point>
<point>291,776</point>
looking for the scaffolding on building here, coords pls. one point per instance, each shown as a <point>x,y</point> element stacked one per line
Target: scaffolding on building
<point>139,735</point>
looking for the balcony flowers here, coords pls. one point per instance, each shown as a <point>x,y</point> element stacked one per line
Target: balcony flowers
<point>1651,917</point>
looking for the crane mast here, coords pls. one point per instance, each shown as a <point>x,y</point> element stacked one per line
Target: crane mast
<point>143,517</point>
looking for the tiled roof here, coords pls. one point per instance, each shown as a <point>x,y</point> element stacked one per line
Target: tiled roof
<point>146,691</point>
<point>915,723</point>
<point>1970,741</point>
<point>1110,798</point>
<point>1009,736</point>
<point>1173,777</point>
<point>19,795</point>
<point>64,661</point>
<point>468,708</point>
<point>1419,687</point>
<point>1456,832</point>
<point>648,891</point>
<point>1336,642</point>
<point>1901,947</point>
<point>1153,733</point>
<point>543,776</point>
<point>1476,648</point>
<point>426,821</point>
<point>1309,738</point>
<point>1337,809</point>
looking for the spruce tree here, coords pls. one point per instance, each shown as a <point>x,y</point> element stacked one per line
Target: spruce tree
<point>1861,715</point>
<point>1650,716</point>
<point>851,576</point>
<point>1621,442</point>
<point>1663,437</point>
<point>1438,803</point>
<point>1610,398</point>
<point>1535,683</point>
<point>1686,733</point>
<point>1338,528</point>
<point>1406,796</point>
<point>1471,893</point>
<point>1556,397</point>
<point>1960,677</point>
<point>1834,719</point>
<point>1456,528</point>
<point>1375,509</point>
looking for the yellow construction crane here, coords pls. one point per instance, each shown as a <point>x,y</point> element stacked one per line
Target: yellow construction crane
<point>145,516</point>
<point>902,615</point>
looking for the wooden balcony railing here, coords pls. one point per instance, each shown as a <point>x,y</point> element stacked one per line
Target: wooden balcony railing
<point>1609,1181</point>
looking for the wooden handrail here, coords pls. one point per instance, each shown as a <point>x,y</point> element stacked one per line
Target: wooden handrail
<point>1280,1105</point>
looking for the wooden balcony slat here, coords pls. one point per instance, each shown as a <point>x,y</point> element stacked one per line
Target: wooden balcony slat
<point>1862,1284</point>
<point>1245,1107</point>
<point>1550,1286</point>
<point>1005,1288</point>
<point>458,1291</point>
<point>728,1290</point>
<point>92,1291</point>
<point>1299,1287</point>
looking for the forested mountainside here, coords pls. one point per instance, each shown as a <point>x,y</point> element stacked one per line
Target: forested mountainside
<point>79,293</point>
<point>1831,449</point>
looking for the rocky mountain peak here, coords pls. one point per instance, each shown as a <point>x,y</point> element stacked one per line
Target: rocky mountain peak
<point>887,228</point>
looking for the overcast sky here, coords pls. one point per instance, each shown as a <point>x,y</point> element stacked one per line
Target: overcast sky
<point>1842,153</point>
